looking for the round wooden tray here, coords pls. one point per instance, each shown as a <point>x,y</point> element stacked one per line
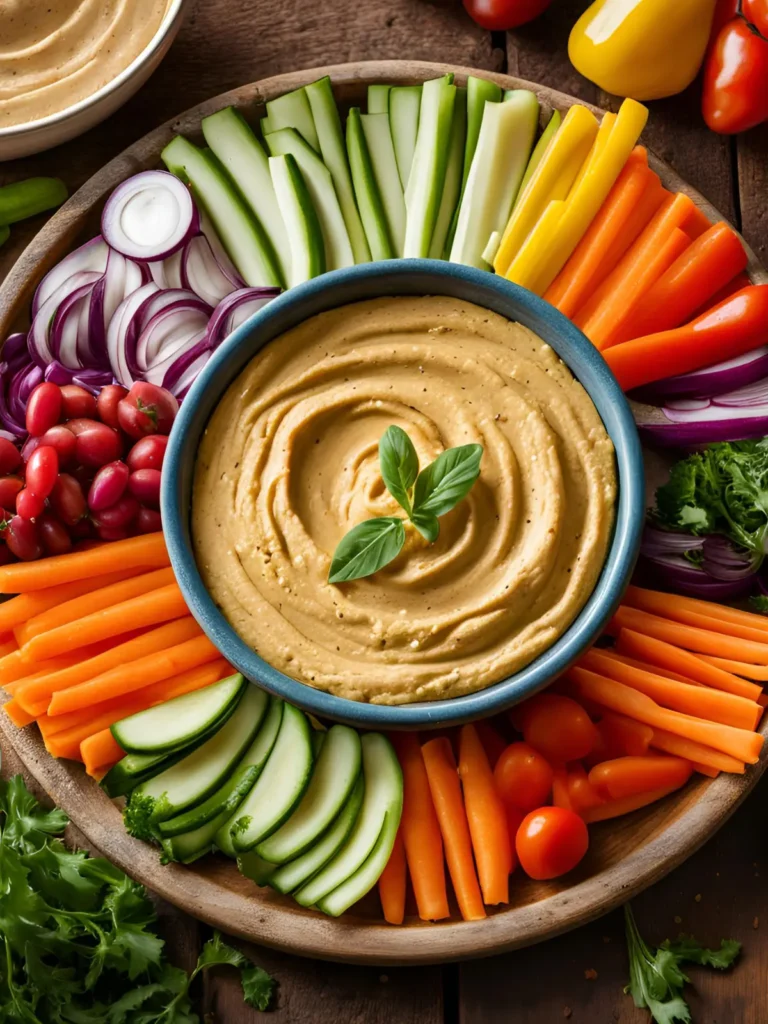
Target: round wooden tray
<point>625,856</point>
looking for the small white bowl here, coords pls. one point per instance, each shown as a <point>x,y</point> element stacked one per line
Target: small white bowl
<point>35,136</point>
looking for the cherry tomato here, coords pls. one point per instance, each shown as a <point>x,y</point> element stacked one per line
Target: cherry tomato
<point>62,439</point>
<point>735,91</point>
<point>111,532</point>
<point>756,12</point>
<point>42,470</point>
<point>23,539</point>
<point>725,11</point>
<point>97,444</point>
<point>144,485</point>
<point>44,407</point>
<point>500,15</point>
<point>558,728</point>
<point>77,403</point>
<point>550,842</point>
<point>28,504</point>
<point>83,529</point>
<point>523,777</point>
<point>147,521</point>
<point>119,515</point>
<point>54,536</point>
<point>107,402</point>
<point>147,409</point>
<point>10,456</point>
<point>9,488</point>
<point>108,485</point>
<point>68,500</point>
<point>148,453</point>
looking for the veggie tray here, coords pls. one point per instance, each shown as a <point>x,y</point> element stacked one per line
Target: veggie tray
<point>625,854</point>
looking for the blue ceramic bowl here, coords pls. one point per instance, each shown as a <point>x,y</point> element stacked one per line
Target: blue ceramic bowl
<point>368,281</point>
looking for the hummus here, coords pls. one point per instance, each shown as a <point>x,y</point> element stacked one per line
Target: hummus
<point>289,464</point>
<point>54,53</point>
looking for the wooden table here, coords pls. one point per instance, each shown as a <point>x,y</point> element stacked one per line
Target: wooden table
<point>720,892</point>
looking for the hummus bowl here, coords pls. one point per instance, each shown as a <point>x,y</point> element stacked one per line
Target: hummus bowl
<point>584,511</point>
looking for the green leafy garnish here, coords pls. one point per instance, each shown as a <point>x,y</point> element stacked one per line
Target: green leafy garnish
<point>372,544</point>
<point>760,603</point>
<point>655,979</point>
<point>139,817</point>
<point>77,936</point>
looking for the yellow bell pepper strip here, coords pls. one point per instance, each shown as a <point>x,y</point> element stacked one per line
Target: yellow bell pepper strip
<point>547,248</point>
<point>552,180</point>
<point>540,149</point>
<point>644,49</point>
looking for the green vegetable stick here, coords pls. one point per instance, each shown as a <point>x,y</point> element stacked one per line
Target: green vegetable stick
<point>539,150</point>
<point>27,198</point>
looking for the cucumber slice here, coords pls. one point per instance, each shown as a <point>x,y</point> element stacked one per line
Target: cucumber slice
<point>449,201</point>
<point>305,235</point>
<point>241,234</point>
<point>404,106</point>
<point>252,866</point>
<point>335,773</point>
<point>242,156</point>
<point>383,796</point>
<point>378,99</point>
<point>425,183</point>
<point>367,875</point>
<point>178,722</point>
<point>133,769</point>
<point>292,110</point>
<point>366,190</point>
<point>378,138</point>
<point>539,150</point>
<point>293,874</point>
<point>280,785</point>
<point>205,770</point>
<point>317,178</point>
<point>502,153</point>
<point>334,153</point>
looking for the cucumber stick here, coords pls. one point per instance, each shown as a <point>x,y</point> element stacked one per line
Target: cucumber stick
<point>425,183</point>
<point>383,797</point>
<point>133,769</point>
<point>178,722</point>
<point>503,148</point>
<point>334,153</point>
<point>242,235</point>
<point>292,110</point>
<point>317,178</point>
<point>378,99</point>
<point>335,773</point>
<point>305,236</point>
<point>242,156</point>
<point>252,866</point>
<point>449,201</point>
<point>540,149</point>
<point>378,138</point>
<point>366,190</point>
<point>280,786</point>
<point>368,874</point>
<point>404,106</point>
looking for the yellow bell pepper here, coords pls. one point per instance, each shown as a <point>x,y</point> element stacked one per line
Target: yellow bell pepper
<point>645,49</point>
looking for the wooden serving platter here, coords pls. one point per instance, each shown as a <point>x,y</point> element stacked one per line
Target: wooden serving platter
<point>625,855</point>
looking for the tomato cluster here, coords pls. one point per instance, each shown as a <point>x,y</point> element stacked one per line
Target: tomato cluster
<point>90,468</point>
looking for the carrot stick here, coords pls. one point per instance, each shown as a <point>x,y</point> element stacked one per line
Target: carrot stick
<point>446,796</point>
<point>493,742</point>
<point>392,883</point>
<point>697,752</point>
<point>649,667</point>
<point>625,735</point>
<point>736,285</point>
<point>647,207</point>
<point>14,669</point>
<point>701,641</point>
<point>19,609</point>
<point>737,668</point>
<point>560,796</point>
<point>8,647</point>
<point>704,769</point>
<point>487,819</point>
<point>615,808</point>
<point>147,552</point>
<point>740,743</point>
<point>697,223</point>
<point>668,607</point>
<point>708,264</point>
<point>698,701</point>
<point>17,714</point>
<point>100,749</point>
<point>146,610</point>
<point>651,600</point>
<point>581,793</point>
<point>94,601</point>
<point>421,831</point>
<point>36,693</point>
<point>628,776</point>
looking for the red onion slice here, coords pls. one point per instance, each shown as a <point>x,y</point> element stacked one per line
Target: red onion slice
<point>201,272</point>
<point>89,257</point>
<point>226,265</point>
<point>119,327</point>
<point>39,339</point>
<point>711,380</point>
<point>235,309</point>
<point>150,216</point>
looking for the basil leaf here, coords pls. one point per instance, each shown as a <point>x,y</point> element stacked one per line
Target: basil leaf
<point>399,464</point>
<point>427,524</point>
<point>367,548</point>
<point>447,480</point>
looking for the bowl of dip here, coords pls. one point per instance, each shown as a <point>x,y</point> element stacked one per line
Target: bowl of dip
<point>273,458</point>
<point>66,65</point>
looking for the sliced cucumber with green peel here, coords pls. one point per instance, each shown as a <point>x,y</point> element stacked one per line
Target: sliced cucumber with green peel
<point>252,866</point>
<point>367,875</point>
<point>404,106</point>
<point>242,156</point>
<point>240,232</point>
<point>366,190</point>
<point>378,99</point>
<point>280,785</point>
<point>498,166</point>
<point>452,185</point>
<point>335,773</point>
<point>425,183</point>
<point>178,722</point>
<point>133,769</point>
<point>539,150</point>
<point>317,178</point>
<point>305,236</point>
<point>334,153</point>
<point>378,138</point>
<point>292,110</point>
<point>383,797</point>
<point>295,873</point>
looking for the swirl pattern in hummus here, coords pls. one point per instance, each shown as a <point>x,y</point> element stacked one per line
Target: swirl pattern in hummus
<point>289,464</point>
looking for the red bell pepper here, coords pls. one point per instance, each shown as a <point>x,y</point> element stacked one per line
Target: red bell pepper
<point>735,93</point>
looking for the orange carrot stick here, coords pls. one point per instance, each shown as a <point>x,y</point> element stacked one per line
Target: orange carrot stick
<point>487,819</point>
<point>624,735</point>
<point>668,607</point>
<point>421,831</point>
<point>19,609</point>
<point>14,669</point>
<point>704,769</point>
<point>737,668</point>
<point>100,749</point>
<point>651,600</point>
<point>147,552</point>
<point>560,796</point>
<point>17,714</point>
<point>696,223</point>
<point>446,796</point>
<point>697,752</point>
<point>392,883</point>
<point>647,207</point>
<point>8,647</point>
<point>581,792</point>
<point>628,776</point>
<point>615,808</point>
<point>649,667</point>
<point>736,285</point>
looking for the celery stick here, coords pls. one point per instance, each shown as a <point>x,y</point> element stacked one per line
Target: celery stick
<point>539,150</point>
<point>304,233</point>
<point>425,183</point>
<point>292,110</point>
<point>378,99</point>
<point>378,138</point>
<point>404,105</point>
<point>24,199</point>
<point>450,198</point>
<point>366,190</point>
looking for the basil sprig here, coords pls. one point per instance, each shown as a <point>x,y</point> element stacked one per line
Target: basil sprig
<point>424,496</point>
